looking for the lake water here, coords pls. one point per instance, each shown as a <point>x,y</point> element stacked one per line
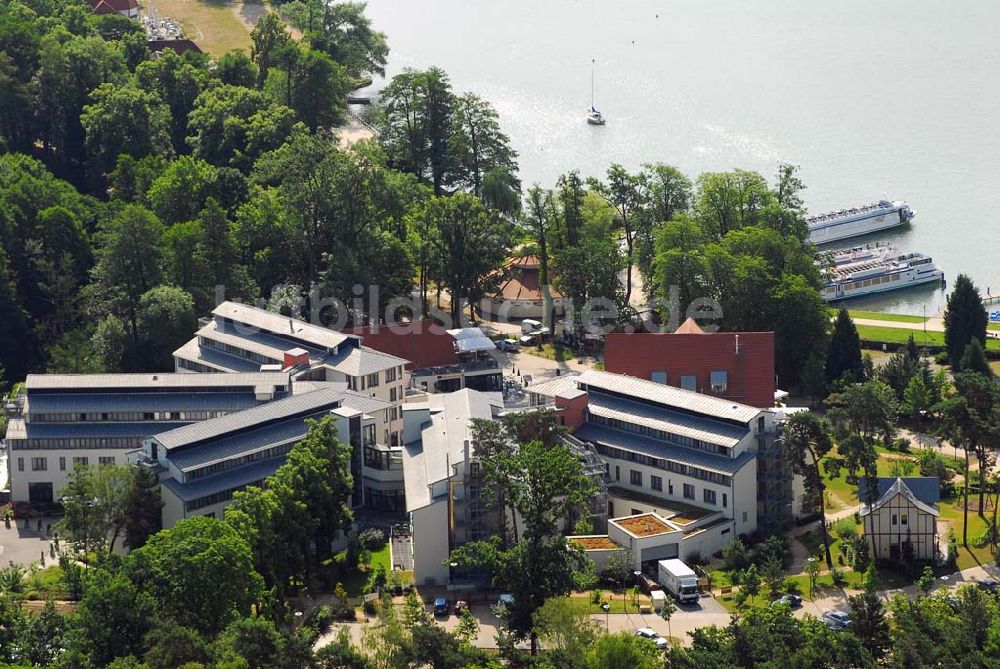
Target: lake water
<point>896,97</point>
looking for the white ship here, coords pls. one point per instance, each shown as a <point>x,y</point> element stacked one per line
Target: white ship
<point>836,225</point>
<point>876,268</point>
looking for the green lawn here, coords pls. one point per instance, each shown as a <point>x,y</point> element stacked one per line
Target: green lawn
<point>876,316</point>
<point>46,584</point>
<point>951,510</point>
<point>616,604</point>
<point>891,335</point>
<point>355,579</point>
<point>993,326</point>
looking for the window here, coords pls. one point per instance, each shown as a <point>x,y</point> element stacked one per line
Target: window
<point>80,461</point>
<point>635,477</point>
<point>20,464</point>
<point>744,516</point>
<point>688,491</point>
<point>708,496</point>
<point>689,383</point>
<point>373,380</point>
<point>390,375</point>
<point>62,463</point>
<point>618,473</point>
<point>895,520</point>
<point>658,376</point>
<point>725,500</point>
<point>720,381</point>
<point>106,459</point>
<point>39,464</point>
<point>656,483</point>
<point>903,519</point>
<point>670,487</point>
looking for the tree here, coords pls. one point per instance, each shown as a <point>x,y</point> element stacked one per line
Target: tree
<point>807,441</point>
<point>727,201</point>
<point>965,319</point>
<point>177,80</point>
<point>255,640</point>
<point>125,120</point>
<point>868,619</point>
<point>199,572</point>
<point>40,639</point>
<point>624,650</point>
<point>469,248</point>
<point>669,196</point>
<point>844,355</point>
<point>974,359</point>
<point>113,617</point>
<point>628,194</point>
<point>545,483</point>
<point>172,646</point>
<point>129,259</point>
<point>95,501</point>
<point>166,320</point>
<point>268,37</point>
<point>926,580</point>
<point>233,126</point>
<point>800,325</point>
<point>318,87</point>
<point>143,516</point>
<point>236,68</point>
<point>415,120</point>
<point>566,628</point>
<point>667,611</point>
<point>540,214</point>
<point>344,32</point>
<point>478,146</point>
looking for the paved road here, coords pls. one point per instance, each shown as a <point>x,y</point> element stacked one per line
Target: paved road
<point>708,612</point>
<point>22,545</point>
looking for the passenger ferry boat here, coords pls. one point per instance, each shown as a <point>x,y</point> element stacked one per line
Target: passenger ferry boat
<point>876,268</point>
<point>837,225</point>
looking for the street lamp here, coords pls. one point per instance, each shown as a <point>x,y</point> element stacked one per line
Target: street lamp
<point>451,578</point>
<point>637,574</point>
<point>607,619</point>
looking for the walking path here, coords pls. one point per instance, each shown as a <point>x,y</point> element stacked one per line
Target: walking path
<point>932,324</point>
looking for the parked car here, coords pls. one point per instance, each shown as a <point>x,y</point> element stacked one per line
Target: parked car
<point>653,635</point>
<point>510,345</point>
<point>988,584</point>
<point>793,601</point>
<point>836,620</point>
<point>505,600</point>
<point>461,605</point>
<point>441,606</point>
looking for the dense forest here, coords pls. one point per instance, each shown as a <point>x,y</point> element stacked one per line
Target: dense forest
<point>136,188</point>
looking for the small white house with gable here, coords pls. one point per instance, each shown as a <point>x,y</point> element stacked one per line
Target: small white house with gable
<point>902,523</point>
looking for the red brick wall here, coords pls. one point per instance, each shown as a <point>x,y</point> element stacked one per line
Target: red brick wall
<point>751,374</point>
<point>572,411</point>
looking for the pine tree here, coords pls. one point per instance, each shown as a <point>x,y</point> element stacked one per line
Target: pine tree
<point>964,320</point>
<point>844,356</point>
<point>974,359</point>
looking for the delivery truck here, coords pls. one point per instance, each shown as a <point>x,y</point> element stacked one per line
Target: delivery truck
<point>679,580</point>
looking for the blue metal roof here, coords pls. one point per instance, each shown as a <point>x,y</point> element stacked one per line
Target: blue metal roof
<point>228,480</point>
<point>97,430</point>
<point>133,402</point>
<point>241,444</point>
<point>660,449</point>
<point>925,488</point>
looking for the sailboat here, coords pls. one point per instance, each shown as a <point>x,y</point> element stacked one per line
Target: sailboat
<point>594,117</point>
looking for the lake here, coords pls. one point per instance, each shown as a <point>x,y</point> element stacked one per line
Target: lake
<point>896,98</point>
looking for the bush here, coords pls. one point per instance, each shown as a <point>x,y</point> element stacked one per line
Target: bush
<point>844,529</point>
<point>341,608</point>
<point>319,619</point>
<point>942,358</point>
<point>837,576</point>
<point>370,608</point>
<point>371,539</point>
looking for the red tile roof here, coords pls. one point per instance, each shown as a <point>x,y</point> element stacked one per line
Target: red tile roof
<point>524,280</point>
